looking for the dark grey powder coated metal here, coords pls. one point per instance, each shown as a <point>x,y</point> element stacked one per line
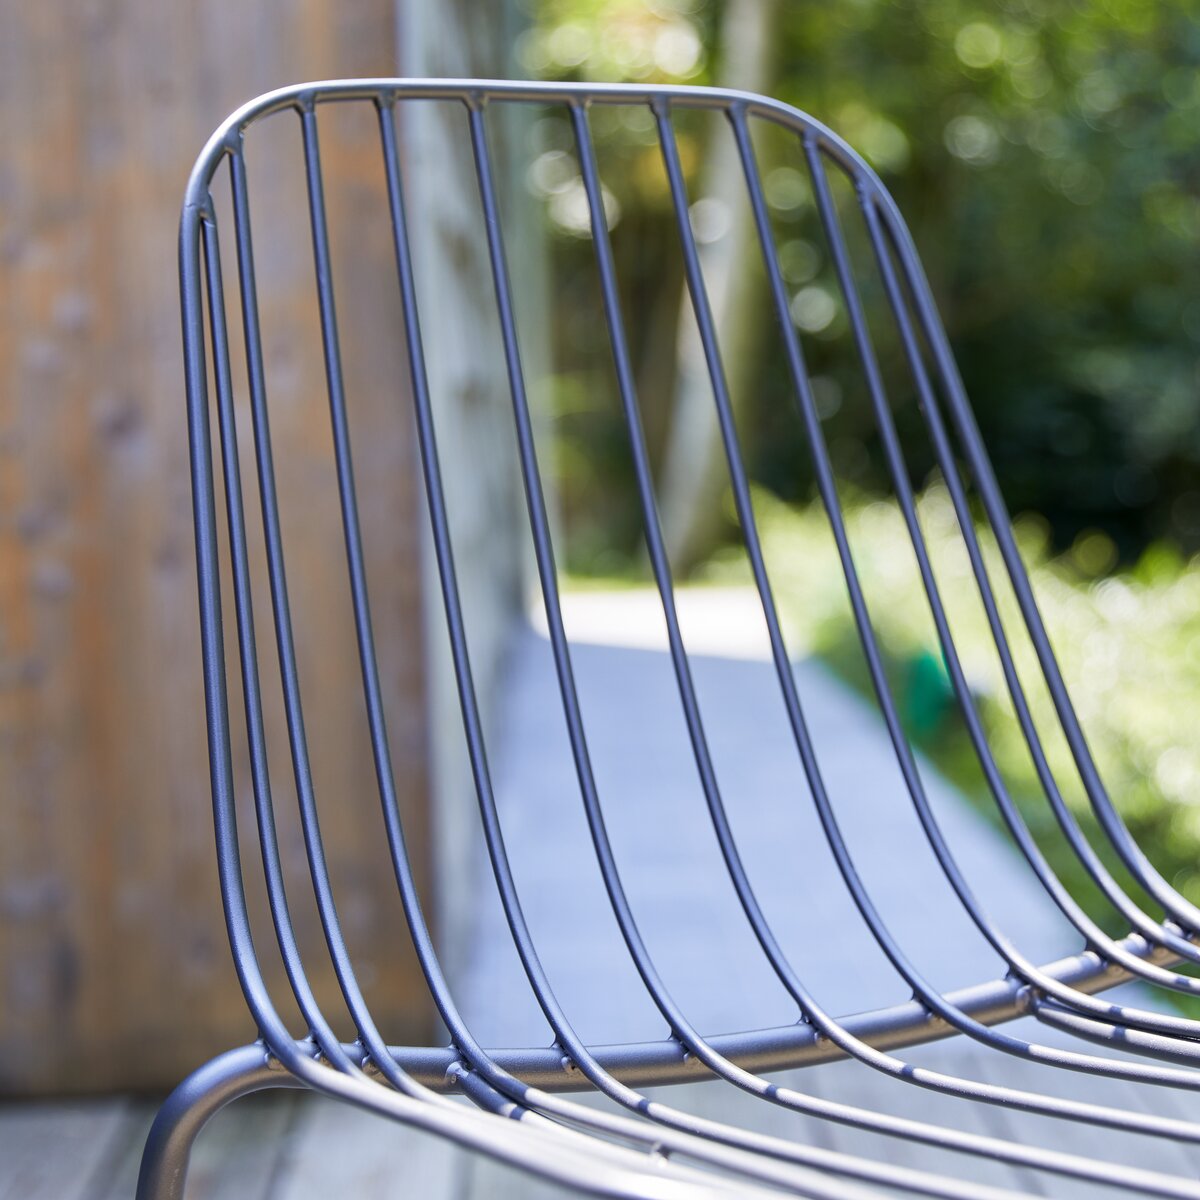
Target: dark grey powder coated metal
<point>653,1149</point>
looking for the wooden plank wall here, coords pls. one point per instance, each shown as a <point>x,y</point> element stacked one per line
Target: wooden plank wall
<point>114,972</point>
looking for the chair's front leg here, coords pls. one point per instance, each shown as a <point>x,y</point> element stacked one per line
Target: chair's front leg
<point>189,1107</point>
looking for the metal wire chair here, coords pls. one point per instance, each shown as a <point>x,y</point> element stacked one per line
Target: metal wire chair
<point>645,1152</point>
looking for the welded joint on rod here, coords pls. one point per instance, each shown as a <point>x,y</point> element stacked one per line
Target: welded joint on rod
<point>272,1060</point>
<point>366,1063</point>
<point>736,114</point>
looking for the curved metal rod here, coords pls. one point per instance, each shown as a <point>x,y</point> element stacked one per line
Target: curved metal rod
<point>800,1181</point>
<point>567,1037</point>
<point>345,1059</point>
<point>224,139</point>
<point>339,1055</point>
<point>432,475</point>
<point>491,1066</point>
<point>367,658</point>
<point>1163,933</point>
<point>941,1193</point>
<point>765,1051</point>
<point>243,601</point>
<point>1152,1045</point>
<point>797,1180</point>
<point>662,573</point>
<point>744,507</point>
<point>875,666</point>
<point>191,1106</point>
<point>163,1171</point>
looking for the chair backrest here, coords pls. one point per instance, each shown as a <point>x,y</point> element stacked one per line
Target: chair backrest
<point>1059,994</point>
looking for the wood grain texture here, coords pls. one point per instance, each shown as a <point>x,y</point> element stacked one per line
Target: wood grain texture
<point>64,1151</point>
<point>114,971</point>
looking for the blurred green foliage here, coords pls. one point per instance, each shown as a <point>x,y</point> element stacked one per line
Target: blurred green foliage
<point>1045,153</point>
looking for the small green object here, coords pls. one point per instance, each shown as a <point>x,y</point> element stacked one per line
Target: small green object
<point>927,693</point>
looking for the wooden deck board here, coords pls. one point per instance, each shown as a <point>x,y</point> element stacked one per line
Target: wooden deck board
<point>59,1151</point>
<point>332,1149</point>
<point>119,1178</point>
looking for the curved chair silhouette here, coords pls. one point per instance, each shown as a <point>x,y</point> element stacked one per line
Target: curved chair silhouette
<point>653,1149</point>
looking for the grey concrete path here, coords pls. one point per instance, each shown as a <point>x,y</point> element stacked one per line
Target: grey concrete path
<point>289,1147</point>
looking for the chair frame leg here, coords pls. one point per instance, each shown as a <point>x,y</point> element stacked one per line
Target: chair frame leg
<point>191,1106</point>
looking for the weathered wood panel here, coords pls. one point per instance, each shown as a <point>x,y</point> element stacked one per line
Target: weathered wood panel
<point>113,965</point>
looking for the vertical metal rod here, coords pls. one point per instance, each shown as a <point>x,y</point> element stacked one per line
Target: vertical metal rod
<point>368,1032</point>
<point>656,546</point>
<point>548,578</point>
<point>293,1055</point>
<point>197,226</point>
<point>264,805</point>
<point>444,556</point>
<point>281,1043</point>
